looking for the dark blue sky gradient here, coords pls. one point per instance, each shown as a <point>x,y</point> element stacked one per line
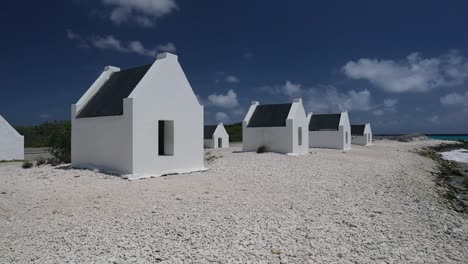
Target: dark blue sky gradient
<point>42,72</point>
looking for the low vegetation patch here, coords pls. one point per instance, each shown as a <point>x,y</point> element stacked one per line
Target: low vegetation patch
<point>60,144</point>
<point>210,157</point>
<point>40,161</point>
<point>54,162</point>
<point>27,165</point>
<point>450,177</point>
<point>234,131</point>
<point>261,149</point>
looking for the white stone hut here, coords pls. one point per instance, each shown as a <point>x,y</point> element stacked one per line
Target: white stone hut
<point>140,122</point>
<point>279,128</point>
<point>361,134</point>
<point>330,131</point>
<point>216,136</point>
<point>11,142</point>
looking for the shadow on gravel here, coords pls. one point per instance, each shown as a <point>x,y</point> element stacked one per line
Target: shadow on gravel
<point>68,167</point>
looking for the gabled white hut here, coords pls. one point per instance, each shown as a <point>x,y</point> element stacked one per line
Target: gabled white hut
<point>11,142</point>
<point>361,134</point>
<point>140,122</point>
<point>279,128</point>
<point>216,136</point>
<point>330,131</point>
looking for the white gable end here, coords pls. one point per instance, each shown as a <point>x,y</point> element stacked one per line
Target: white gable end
<point>11,142</point>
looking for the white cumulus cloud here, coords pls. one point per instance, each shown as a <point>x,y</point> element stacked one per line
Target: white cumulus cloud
<point>229,100</point>
<point>222,117</point>
<point>330,99</point>
<point>378,112</point>
<point>110,42</point>
<point>72,35</point>
<point>433,119</point>
<point>289,88</point>
<point>232,79</point>
<point>323,98</point>
<point>454,99</point>
<point>390,102</point>
<point>169,47</point>
<point>143,12</point>
<point>412,74</point>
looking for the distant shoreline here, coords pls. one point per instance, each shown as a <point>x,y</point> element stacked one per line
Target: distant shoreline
<point>452,175</point>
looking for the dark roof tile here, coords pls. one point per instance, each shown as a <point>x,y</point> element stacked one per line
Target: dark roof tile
<point>357,130</point>
<point>270,115</point>
<point>208,131</point>
<point>324,122</point>
<point>108,101</point>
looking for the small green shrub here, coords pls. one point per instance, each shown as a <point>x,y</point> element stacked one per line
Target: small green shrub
<point>27,165</point>
<point>54,161</point>
<point>211,157</point>
<point>40,161</point>
<point>261,149</point>
<point>60,143</point>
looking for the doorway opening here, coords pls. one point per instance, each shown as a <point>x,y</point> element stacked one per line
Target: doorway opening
<point>166,138</point>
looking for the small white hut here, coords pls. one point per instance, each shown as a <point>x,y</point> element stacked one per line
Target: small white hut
<point>330,131</point>
<point>140,122</point>
<point>279,128</point>
<point>361,134</point>
<point>216,136</point>
<point>11,142</point>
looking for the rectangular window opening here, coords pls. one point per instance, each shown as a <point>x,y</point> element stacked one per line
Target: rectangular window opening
<point>299,136</point>
<point>166,138</point>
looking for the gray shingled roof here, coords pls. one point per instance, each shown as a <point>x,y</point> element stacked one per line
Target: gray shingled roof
<point>208,131</point>
<point>325,122</point>
<point>108,101</point>
<point>357,130</point>
<point>270,115</point>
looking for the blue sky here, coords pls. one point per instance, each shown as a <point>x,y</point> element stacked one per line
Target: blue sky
<point>401,65</point>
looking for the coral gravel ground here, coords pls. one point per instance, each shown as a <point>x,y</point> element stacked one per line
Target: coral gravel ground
<point>375,204</point>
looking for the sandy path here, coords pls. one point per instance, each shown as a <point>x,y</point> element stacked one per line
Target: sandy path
<point>375,204</point>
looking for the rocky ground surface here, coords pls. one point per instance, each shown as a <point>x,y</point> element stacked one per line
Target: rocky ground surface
<point>375,204</point>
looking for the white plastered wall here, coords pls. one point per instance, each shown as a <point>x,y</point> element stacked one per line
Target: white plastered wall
<point>11,142</point>
<point>278,139</point>
<point>164,93</point>
<point>103,143</point>
<point>333,139</point>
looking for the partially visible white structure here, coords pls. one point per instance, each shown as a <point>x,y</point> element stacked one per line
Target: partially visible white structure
<point>279,128</point>
<point>11,142</point>
<point>216,136</point>
<point>140,122</point>
<point>330,131</point>
<point>361,134</point>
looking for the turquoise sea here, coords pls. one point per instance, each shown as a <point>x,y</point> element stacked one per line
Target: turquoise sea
<point>449,137</point>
